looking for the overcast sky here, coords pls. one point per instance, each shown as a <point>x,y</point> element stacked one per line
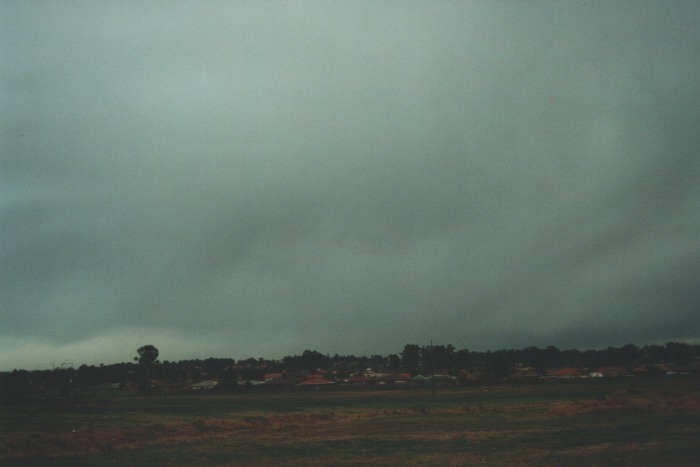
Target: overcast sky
<point>237,179</point>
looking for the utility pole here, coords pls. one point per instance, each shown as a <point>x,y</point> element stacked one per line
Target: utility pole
<point>432,369</point>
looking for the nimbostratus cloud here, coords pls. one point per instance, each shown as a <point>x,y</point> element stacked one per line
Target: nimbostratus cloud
<point>254,180</point>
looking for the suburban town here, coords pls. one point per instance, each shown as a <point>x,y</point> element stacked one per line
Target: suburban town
<point>415,367</point>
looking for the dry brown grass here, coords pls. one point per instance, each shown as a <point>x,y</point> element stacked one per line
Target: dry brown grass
<point>90,440</point>
<point>633,400</point>
<point>423,431</point>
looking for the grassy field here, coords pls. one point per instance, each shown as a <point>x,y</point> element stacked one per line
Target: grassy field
<point>591,423</point>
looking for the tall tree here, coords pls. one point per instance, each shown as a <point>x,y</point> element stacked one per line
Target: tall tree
<point>312,360</point>
<point>410,357</point>
<point>147,355</point>
<point>394,362</point>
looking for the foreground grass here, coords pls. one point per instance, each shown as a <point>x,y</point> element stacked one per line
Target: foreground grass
<point>547,424</point>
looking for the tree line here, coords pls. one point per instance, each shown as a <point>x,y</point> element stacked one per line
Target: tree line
<point>413,359</point>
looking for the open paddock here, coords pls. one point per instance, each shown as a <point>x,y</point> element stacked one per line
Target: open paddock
<point>589,423</point>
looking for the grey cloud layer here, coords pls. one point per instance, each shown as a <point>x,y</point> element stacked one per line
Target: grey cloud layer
<point>263,179</point>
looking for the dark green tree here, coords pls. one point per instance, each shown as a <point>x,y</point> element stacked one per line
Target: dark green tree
<point>229,380</point>
<point>441,356</point>
<point>147,355</point>
<point>410,357</point>
<point>679,353</point>
<point>312,360</point>
<point>655,354</point>
<point>463,359</point>
<point>394,362</point>
<point>498,365</point>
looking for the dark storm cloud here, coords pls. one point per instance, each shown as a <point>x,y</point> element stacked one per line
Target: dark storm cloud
<point>250,179</point>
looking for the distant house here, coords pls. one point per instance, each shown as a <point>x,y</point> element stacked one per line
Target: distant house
<point>207,385</point>
<point>565,373</point>
<point>524,375</point>
<point>442,380</point>
<point>390,378</point>
<point>419,380</point>
<point>609,372</point>
<point>273,376</point>
<point>434,380</point>
<point>470,377</point>
<point>315,382</point>
<point>249,383</point>
<point>356,381</point>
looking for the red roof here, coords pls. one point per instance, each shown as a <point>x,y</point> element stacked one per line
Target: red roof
<point>611,370</point>
<point>315,381</point>
<point>564,372</point>
<point>358,379</point>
